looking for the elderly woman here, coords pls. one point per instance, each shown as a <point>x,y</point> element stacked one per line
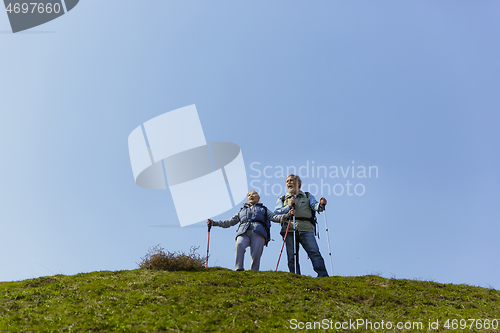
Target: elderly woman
<point>253,230</point>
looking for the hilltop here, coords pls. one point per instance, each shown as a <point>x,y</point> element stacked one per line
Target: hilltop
<point>222,300</point>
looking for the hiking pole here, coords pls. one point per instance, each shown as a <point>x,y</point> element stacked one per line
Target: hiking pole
<point>208,243</point>
<point>284,239</point>
<point>328,240</point>
<point>294,248</point>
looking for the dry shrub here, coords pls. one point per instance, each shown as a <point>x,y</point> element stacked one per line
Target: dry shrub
<point>159,259</point>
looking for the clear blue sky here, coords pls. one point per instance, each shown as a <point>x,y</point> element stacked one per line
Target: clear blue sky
<point>408,87</point>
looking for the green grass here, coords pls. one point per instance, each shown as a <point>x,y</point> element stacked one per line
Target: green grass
<point>221,300</point>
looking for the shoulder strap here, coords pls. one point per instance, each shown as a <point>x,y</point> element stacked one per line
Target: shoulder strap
<point>313,216</point>
<point>267,227</point>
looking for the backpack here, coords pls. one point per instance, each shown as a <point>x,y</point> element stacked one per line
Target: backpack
<point>267,225</point>
<point>312,219</point>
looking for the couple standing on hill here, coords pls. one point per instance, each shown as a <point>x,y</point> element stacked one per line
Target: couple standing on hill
<point>254,232</point>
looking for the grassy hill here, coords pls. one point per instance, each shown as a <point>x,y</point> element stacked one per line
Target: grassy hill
<point>222,300</point>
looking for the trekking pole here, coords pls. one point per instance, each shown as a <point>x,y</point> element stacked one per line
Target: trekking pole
<point>294,248</point>
<point>208,243</point>
<point>284,239</point>
<point>328,240</point>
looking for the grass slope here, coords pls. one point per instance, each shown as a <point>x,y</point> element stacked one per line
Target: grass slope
<point>223,300</point>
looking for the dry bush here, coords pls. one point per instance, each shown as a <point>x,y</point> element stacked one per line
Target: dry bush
<point>159,259</point>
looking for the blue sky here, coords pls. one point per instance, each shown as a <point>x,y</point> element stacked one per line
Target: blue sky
<point>408,87</point>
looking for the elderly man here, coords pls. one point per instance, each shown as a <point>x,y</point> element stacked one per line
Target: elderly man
<point>304,226</point>
<point>253,230</point>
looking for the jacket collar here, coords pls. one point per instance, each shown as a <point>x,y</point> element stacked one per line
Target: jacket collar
<point>246,204</point>
<point>288,195</point>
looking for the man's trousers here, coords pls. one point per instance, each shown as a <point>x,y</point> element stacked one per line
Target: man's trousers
<point>309,244</point>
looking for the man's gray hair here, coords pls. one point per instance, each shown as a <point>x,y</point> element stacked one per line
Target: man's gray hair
<point>297,178</point>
